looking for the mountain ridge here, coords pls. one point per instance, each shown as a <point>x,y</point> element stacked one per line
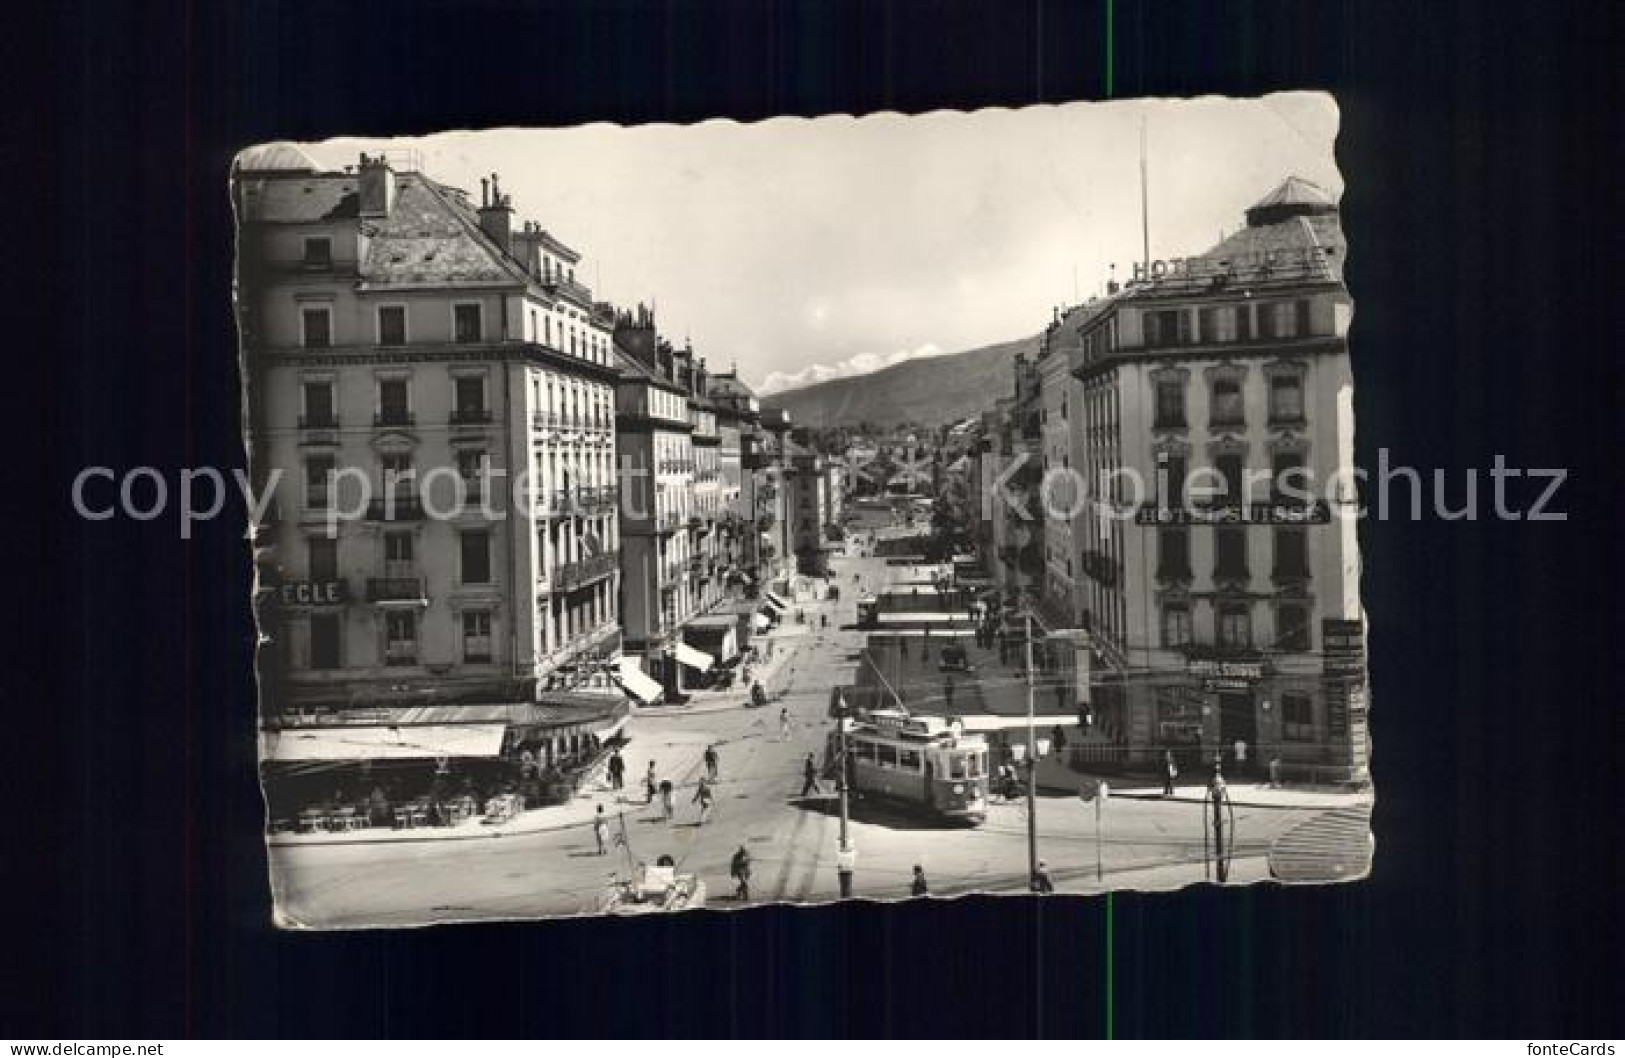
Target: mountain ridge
<point>932,390</point>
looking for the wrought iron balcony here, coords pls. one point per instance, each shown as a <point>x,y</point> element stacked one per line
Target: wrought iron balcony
<point>572,575</point>
<point>470,416</point>
<point>395,589</point>
<point>395,509</point>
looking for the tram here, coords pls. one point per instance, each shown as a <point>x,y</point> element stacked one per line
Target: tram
<point>919,761</point>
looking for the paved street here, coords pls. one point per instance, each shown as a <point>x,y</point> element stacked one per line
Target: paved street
<point>1148,843</point>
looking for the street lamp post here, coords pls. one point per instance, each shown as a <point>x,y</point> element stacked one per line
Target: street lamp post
<point>846,856</point>
<point>1032,764</point>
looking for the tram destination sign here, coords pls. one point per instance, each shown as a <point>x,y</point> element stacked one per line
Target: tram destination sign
<point>1317,513</point>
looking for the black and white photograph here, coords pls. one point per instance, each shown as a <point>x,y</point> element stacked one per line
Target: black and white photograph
<point>658,527</point>
<point>657,518</point>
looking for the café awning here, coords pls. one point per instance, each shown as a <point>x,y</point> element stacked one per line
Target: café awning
<point>775,600</point>
<point>694,659</point>
<point>637,683</point>
<point>404,742</point>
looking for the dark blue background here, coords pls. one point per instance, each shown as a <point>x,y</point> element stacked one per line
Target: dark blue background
<point>1482,212</point>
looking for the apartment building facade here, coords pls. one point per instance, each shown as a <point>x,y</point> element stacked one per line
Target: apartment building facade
<point>1224,603</point>
<point>434,393</point>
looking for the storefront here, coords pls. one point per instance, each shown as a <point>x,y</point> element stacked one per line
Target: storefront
<point>373,763</point>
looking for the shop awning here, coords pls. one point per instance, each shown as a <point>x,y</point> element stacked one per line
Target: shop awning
<point>694,659</point>
<point>407,742</point>
<point>639,684</point>
<point>775,600</point>
<point>761,622</point>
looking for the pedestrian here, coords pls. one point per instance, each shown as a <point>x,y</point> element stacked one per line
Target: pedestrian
<point>711,762</point>
<point>784,723</point>
<point>1170,772</point>
<point>703,797</point>
<point>919,887</point>
<point>1041,882</point>
<point>617,771</point>
<point>1058,737</point>
<point>948,692</point>
<point>740,870</point>
<point>1241,755</point>
<point>600,830</point>
<point>650,786</point>
<point>809,776</point>
<point>666,798</point>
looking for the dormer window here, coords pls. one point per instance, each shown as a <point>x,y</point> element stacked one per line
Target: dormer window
<point>466,322</point>
<point>318,252</point>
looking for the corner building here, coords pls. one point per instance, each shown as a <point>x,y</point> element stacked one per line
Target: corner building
<point>1226,610</point>
<point>436,392</point>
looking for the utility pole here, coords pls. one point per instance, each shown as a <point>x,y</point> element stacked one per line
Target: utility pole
<point>1032,763</point>
<point>846,856</point>
<point>1145,207</point>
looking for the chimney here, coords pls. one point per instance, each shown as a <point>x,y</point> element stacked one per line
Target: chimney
<point>635,335</point>
<point>496,214</point>
<point>377,186</point>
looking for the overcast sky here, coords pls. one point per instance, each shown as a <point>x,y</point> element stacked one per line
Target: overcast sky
<point>800,248</point>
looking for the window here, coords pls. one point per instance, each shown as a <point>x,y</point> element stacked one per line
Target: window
<point>1176,624</point>
<point>400,637</point>
<point>1230,552</point>
<point>1283,319</point>
<point>1292,628</point>
<point>319,482</point>
<point>1287,473</point>
<point>863,750</point>
<point>392,325</point>
<point>316,327</point>
<point>1173,553</point>
<point>319,404</point>
<point>1286,399</point>
<point>1227,408</point>
<point>466,323</point>
<point>394,402</point>
<point>908,759</point>
<point>1172,485</point>
<point>885,755</point>
<point>1235,626</point>
<point>1291,553</point>
<point>476,554</point>
<point>1229,468</point>
<point>395,472</point>
<point>1297,718</point>
<point>477,638</point>
<point>1167,327</point>
<point>1170,411</point>
<point>471,468</point>
<point>470,399</point>
<point>324,558</point>
<point>398,555</point>
<point>1217,324</point>
<point>318,252</point>
<point>325,652</point>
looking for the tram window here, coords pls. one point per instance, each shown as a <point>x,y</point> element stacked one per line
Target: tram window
<point>886,755</point>
<point>865,750</point>
<point>974,760</point>
<point>956,766</point>
<point>909,759</point>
